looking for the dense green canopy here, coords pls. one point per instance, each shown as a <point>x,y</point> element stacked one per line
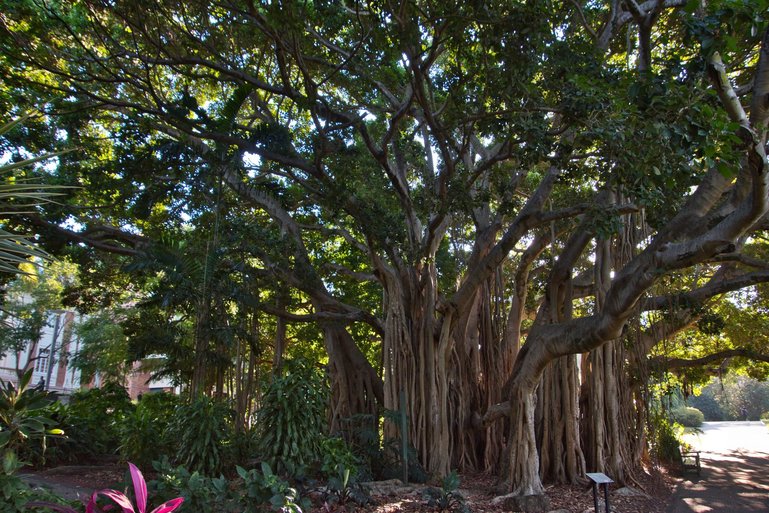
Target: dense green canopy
<point>414,189</point>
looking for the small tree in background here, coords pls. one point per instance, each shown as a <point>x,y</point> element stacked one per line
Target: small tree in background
<point>733,398</point>
<point>104,347</point>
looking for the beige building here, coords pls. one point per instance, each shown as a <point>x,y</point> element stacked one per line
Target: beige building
<point>50,357</point>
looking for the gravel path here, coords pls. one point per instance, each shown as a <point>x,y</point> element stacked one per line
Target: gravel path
<point>735,470</point>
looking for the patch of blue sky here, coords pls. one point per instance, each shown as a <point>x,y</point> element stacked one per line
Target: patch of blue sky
<point>252,162</point>
<point>366,115</point>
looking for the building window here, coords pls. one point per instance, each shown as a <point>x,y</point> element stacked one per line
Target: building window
<point>41,364</point>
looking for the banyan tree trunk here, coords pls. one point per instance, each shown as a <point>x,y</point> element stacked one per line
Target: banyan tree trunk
<point>416,359</point>
<point>561,458</point>
<point>612,410</point>
<point>521,477</point>
<point>600,378</point>
<point>613,416</point>
<point>481,363</point>
<point>558,439</point>
<point>600,420</point>
<point>356,389</point>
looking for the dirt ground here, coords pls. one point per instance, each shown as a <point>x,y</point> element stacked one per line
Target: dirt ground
<point>478,490</point>
<point>735,456</point>
<point>650,496</point>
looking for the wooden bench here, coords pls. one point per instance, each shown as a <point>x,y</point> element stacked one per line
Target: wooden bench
<point>690,460</point>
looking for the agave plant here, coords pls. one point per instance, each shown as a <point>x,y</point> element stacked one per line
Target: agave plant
<point>15,194</point>
<point>140,493</point>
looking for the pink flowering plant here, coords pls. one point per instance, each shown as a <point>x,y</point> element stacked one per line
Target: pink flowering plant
<point>119,498</point>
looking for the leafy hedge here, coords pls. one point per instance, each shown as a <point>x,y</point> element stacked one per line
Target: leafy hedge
<point>688,416</point>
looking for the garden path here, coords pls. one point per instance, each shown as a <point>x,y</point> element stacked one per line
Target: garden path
<point>734,478</point>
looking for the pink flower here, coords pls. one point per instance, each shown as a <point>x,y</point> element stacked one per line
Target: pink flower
<point>119,498</point>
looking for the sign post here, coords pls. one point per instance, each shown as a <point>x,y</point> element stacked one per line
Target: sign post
<point>599,478</point>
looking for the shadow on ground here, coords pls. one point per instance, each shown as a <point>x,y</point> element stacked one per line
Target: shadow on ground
<point>733,481</point>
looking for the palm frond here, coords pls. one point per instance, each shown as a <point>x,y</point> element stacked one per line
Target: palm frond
<point>17,249</point>
<point>7,127</point>
<point>13,166</point>
<point>18,194</point>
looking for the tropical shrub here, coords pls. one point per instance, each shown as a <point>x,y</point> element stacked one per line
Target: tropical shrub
<point>447,497</point>
<point>344,489</point>
<point>242,447</point>
<point>200,492</point>
<point>199,432</point>
<point>374,459</point>
<point>389,463</point>
<point>337,454</point>
<point>92,421</point>
<point>292,419</point>
<point>52,446</point>
<point>377,459</point>
<point>251,492</point>
<point>666,444</point>
<point>688,416</point>
<point>24,427</point>
<point>15,494</point>
<point>159,406</point>
<point>266,488</point>
<point>143,431</point>
<point>23,424</point>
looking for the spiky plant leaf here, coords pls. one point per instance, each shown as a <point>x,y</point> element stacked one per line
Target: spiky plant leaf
<point>16,249</point>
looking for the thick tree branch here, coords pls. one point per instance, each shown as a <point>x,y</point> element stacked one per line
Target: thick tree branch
<point>351,315</point>
<point>702,294</point>
<point>584,21</point>
<point>759,106</point>
<point>104,238</point>
<point>667,363</point>
<point>523,222</point>
<point>729,98</point>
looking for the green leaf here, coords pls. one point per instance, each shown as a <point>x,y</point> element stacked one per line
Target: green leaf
<point>692,6</point>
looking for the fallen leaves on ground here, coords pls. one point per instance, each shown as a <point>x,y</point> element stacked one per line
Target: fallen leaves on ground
<point>477,489</point>
<point>479,492</point>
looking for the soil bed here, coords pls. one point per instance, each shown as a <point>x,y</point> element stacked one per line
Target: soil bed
<point>477,489</point>
<point>92,477</point>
